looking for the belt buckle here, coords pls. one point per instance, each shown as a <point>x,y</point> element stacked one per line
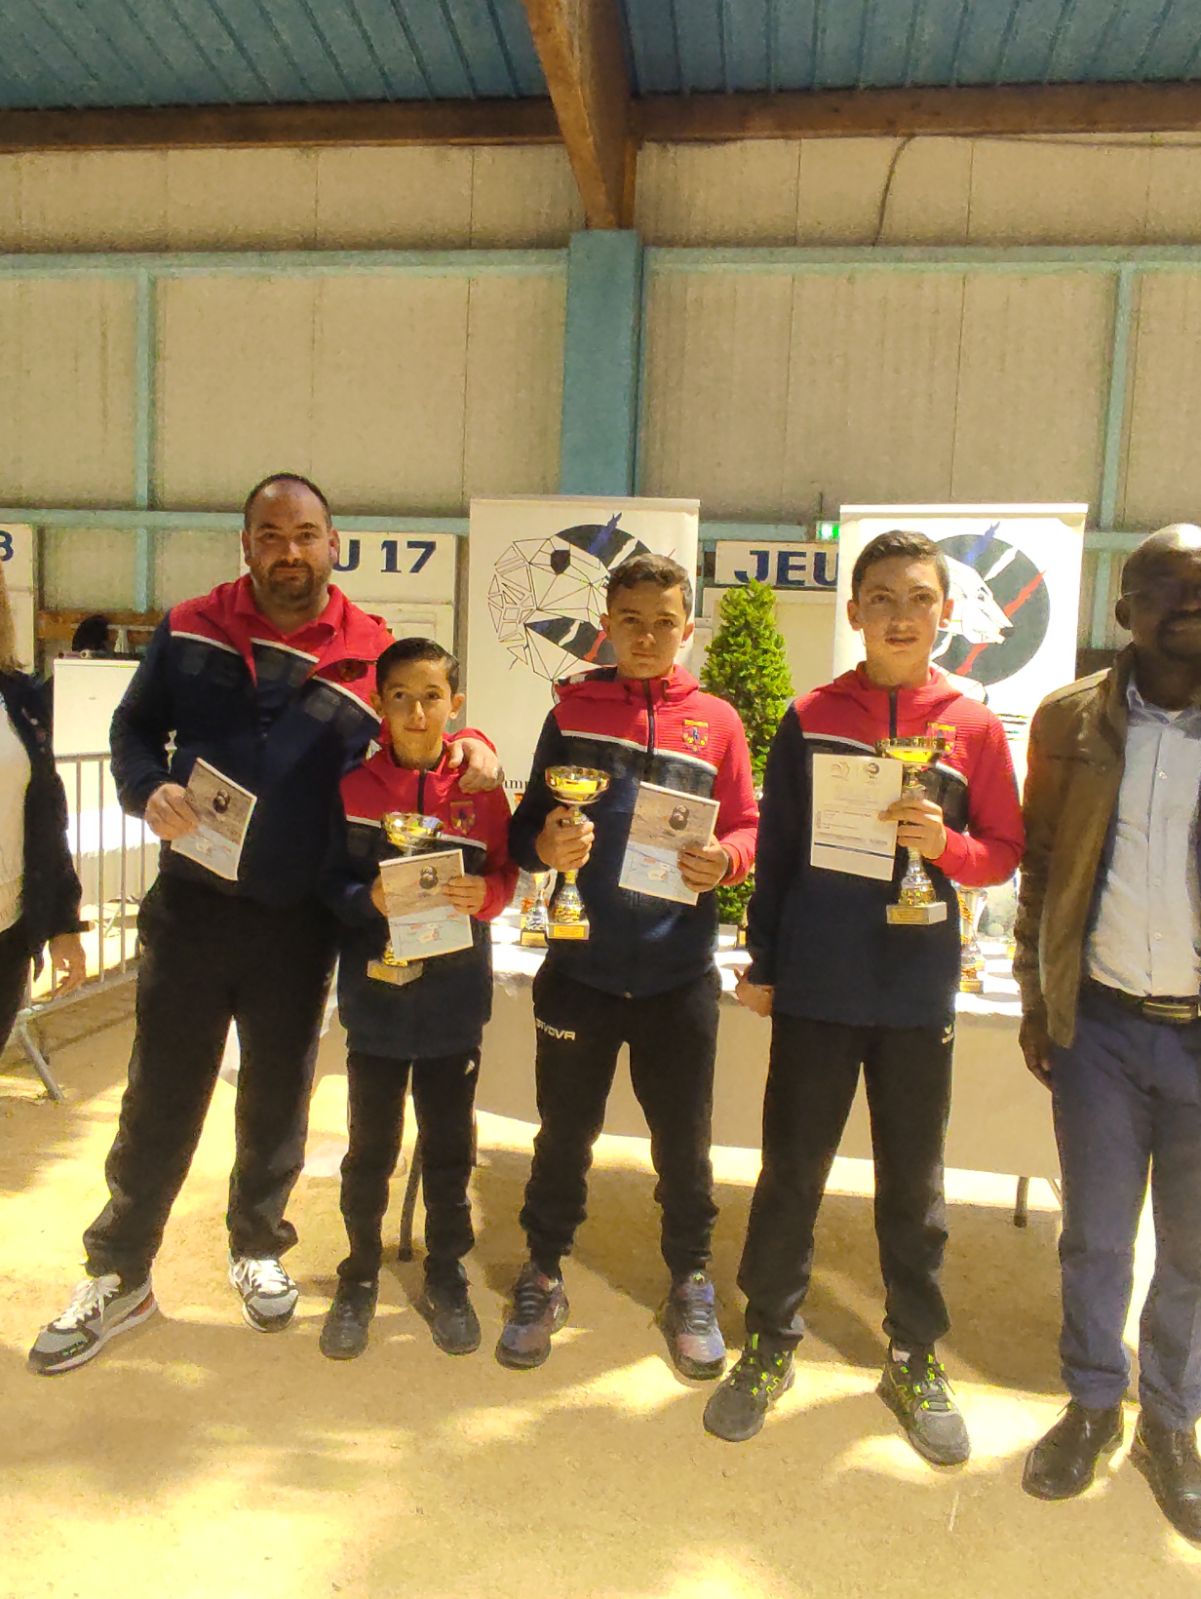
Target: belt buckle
<point>1177,1012</point>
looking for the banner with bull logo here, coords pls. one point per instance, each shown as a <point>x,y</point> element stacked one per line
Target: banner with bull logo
<point>1015,586</point>
<point>536,593</point>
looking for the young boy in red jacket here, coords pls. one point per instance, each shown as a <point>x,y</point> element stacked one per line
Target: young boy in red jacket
<point>845,989</point>
<point>430,1027</point>
<point>645,976</point>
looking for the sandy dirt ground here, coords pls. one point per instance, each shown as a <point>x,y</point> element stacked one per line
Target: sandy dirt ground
<point>196,1457</point>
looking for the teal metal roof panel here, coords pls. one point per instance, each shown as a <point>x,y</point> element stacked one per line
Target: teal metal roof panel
<point>211,52</point>
<point>696,46</point>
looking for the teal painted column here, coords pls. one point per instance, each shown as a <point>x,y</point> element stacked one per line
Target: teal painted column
<point>601,361</point>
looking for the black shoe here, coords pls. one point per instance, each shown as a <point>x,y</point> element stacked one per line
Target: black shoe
<point>445,1305</point>
<point>917,1392</point>
<point>737,1409</point>
<point>1061,1464</point>
<point>1170,1463</point>
<point>344,1331</point>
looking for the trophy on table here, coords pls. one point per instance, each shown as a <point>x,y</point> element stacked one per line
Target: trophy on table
<point>575,787</point>
<point>533,915</point>
<point>411,833</point>
<point>971,956</point>
<point>917,905</point>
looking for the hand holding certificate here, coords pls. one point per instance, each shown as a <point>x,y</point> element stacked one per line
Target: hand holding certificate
<point>664,823</point>
<point>849,792</point>
<point>223,809</point>
<point>421,920</point>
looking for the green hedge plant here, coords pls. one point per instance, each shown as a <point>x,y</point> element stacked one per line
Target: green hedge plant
<point>747,665</point>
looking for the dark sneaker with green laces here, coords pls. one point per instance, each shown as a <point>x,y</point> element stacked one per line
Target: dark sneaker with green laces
<point>446,1306</point>
<point>537,1309</point>
<point>689,1322</point>
<point>918,1393</point>
<point>348,1320</point>
<point>737,1409</point>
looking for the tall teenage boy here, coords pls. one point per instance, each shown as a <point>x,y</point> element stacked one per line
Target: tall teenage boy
<point>845,989</point>
<point>429,1028</point>
<point>646,976</point>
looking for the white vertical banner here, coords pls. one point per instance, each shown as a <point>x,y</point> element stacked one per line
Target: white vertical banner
<point>536,593</point>
<point>20,579</point>
<point>1015,588</point>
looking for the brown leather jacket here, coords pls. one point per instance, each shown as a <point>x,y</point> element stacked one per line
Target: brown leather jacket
<point>1076,757</point>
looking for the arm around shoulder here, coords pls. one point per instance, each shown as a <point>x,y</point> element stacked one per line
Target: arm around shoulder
<point>738,816</point>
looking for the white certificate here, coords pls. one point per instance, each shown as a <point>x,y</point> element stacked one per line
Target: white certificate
<point>849,792</point>
<point>665,822</point>
<point>224,808</point>
<point>421,920</point>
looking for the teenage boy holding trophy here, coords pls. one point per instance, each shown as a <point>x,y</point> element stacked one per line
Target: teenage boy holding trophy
<point>632,742</point>
<point>856,960</point>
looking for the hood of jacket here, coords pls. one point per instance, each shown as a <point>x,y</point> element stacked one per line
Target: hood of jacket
<point>605,685</point>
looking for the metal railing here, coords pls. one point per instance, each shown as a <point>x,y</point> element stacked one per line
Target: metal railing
<point>116,860</point>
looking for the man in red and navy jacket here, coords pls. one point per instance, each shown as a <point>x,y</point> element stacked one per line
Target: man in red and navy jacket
<point>645,976</point>
<point>846,990</point>
<point>267,679</point>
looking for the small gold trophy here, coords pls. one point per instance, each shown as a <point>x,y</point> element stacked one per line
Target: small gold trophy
<point>575,787</point>
<point>918,905</point>
<point>971,957</point>
<point>533,915</point>
<point>411,833</point>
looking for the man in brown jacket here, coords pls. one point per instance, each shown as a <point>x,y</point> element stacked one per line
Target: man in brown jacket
<point>1109,963</point>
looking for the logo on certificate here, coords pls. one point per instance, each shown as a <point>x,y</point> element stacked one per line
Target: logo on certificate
<point>696,735</point>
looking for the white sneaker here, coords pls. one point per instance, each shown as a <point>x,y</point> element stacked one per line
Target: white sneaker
<point>268,1294</point>
<point>100,1309</point>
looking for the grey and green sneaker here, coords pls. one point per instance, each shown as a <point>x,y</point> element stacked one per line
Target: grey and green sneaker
<point>738,1407</point>
<point>916,1389</point>
<point>100,1308</point>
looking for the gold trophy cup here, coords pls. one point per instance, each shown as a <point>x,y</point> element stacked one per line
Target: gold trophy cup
<point>533,915</point>
<point>918,904</point>
<point>575,787</point>
<point>411,833</point>
<point>971,957</point>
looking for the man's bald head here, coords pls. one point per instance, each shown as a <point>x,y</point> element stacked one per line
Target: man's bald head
<point>1161,601</point>
<point>1176,538</point>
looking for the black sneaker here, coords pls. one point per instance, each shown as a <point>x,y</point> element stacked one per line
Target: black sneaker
<point>537,1310</point>
<point>446,1306</point>
<point>737,1409</point>
<point>344,1330</point>
<point>689,1322</point>
<point>918,1393</point>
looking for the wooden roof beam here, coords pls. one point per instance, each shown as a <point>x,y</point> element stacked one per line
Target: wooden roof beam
<point>1097,108</point>
<point>579,45</point>
<point>437,122</point>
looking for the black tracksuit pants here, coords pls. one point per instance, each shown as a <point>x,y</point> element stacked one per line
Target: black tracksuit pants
<point>14,977</point>
<point>812,1078</point>
<point>673,1042</point>
<point>209,958</point>
<point>444,1100</point>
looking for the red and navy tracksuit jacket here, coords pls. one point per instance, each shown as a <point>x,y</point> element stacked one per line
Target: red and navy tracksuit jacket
<point>283,715</point>
<point>660,730</point>
<point>821,938</point>
<point>444,1011</point>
